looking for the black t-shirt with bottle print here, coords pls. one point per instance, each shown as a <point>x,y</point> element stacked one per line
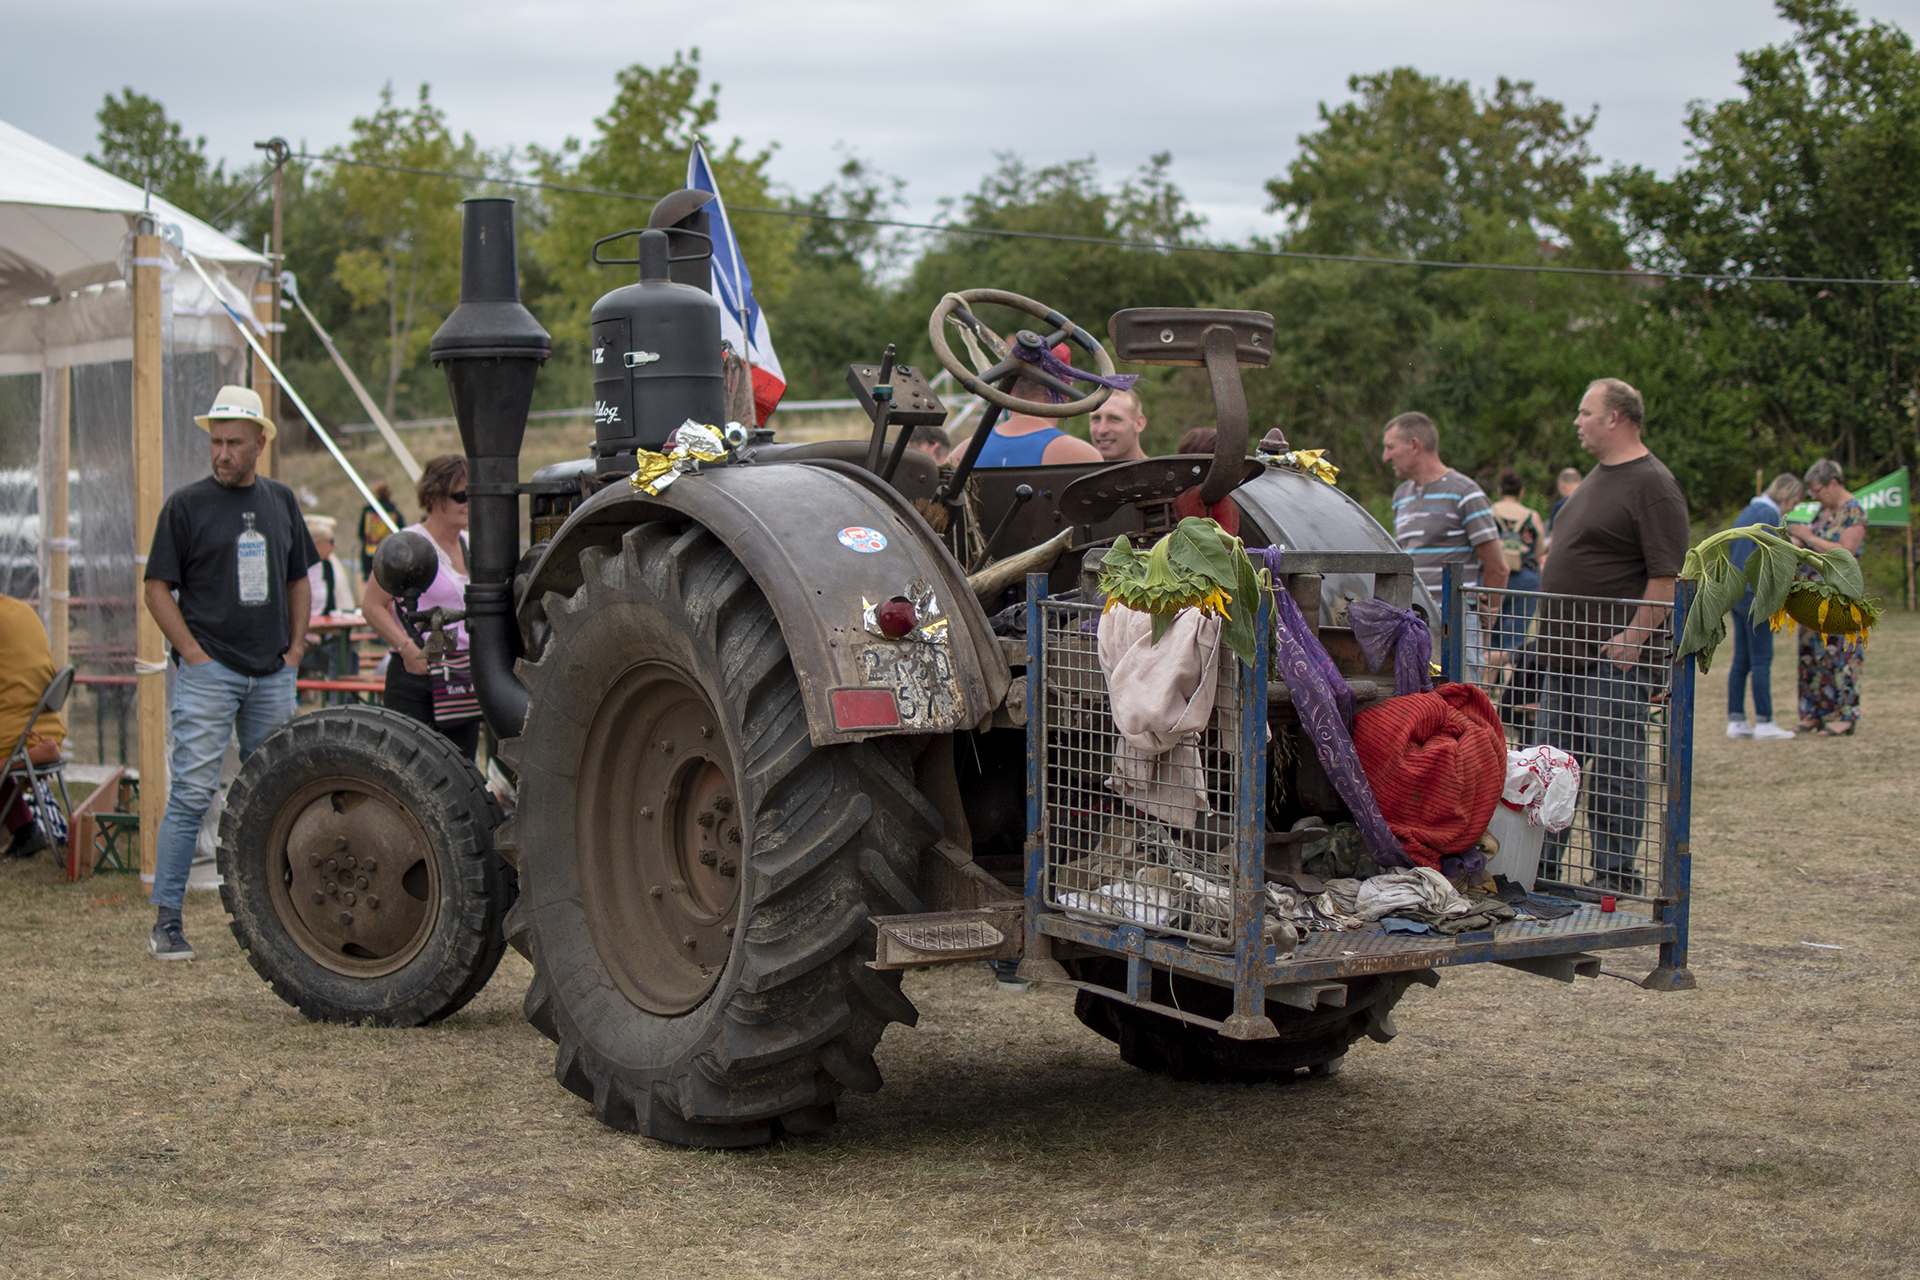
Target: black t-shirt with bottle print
<point>230,554</point>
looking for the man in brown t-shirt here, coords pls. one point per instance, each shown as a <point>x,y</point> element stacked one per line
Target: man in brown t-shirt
<point>1622,537</point>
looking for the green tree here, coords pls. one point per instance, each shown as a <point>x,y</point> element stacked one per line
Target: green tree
<point>408,262</point>
<point>641,147</point>
<point>139,143</point>
<point>1416,165</point>
<point>1814,169</point>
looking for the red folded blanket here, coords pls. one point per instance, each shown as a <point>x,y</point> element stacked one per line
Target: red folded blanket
<point>1436,762</point>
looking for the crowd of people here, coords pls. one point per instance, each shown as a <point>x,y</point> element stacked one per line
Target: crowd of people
<point>237,574</point>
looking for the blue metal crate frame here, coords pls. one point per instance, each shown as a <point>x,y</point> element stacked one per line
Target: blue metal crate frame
<point>1254,971</point>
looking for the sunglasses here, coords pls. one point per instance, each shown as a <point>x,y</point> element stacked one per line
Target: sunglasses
<point>459,495</point>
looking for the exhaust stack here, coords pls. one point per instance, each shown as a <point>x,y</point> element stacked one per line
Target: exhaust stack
<point>492,348</point>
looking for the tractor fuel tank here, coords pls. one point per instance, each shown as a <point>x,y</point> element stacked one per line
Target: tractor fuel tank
<point>656,358</point>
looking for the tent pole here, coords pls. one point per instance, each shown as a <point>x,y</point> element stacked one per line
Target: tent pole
<point>56,531</point>
<point>150,656</point>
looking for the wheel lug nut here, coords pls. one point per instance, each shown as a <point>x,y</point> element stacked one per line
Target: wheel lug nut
<point>656,891</point>
<point>666,745</point>
<point>733,835</point>
<point>729,868</point>
<point>333,864</point>
<point>705,818</point>
<point>689,940</point>
<point>347,898</point>
<point>318,897</point>
<point>348,862</point>
<point>707,858</point>
<point>366,865</point>
<point>313,859</point>
<point>706,731</point>
<point>339,844</point>
<point>723,804</point>
<point>332,887</point>
<point>727,928</point>
<point>361,883</point>
<point>346,917</point>
<point>646,811</point>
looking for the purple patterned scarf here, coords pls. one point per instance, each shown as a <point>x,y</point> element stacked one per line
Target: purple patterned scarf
<point>1383,629</point>
<point>1325,705</point>
<point>1043,359</point>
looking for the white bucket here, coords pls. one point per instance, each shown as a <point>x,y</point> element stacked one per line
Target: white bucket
<point>1519,856</point>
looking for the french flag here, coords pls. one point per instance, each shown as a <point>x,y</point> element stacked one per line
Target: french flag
<point>742,323</point>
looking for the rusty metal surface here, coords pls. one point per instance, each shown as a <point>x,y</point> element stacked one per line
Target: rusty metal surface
<point>360,888</point>
<point>784,524</point>
<point>1093,497</point>
<point>1301,513</point>
<point>1177,335</point>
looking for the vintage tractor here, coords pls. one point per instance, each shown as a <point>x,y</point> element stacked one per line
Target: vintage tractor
<point>784,722</point>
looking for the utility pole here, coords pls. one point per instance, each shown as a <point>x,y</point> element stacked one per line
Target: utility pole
<point>278,152</point>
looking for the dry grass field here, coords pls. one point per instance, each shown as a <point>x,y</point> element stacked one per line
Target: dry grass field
<point>179,1120</point>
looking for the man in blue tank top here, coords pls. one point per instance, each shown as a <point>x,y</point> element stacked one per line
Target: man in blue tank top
<point>1023,440</point>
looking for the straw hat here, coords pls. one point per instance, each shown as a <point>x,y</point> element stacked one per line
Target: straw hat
<point>320,527</point>
<point>236,402</point>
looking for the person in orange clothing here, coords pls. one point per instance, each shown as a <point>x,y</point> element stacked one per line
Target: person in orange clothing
<point>26,668</point>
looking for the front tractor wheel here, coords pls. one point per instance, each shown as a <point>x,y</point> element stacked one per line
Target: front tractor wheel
<point>697,876</point>
<point>357,866</point>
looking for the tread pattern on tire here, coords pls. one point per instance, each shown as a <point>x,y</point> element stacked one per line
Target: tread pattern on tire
<point>836,834</point>
<point>1182,1051</point>
<point>467,945</point>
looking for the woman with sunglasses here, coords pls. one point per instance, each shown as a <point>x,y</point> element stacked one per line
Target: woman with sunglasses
<point>442,494</point>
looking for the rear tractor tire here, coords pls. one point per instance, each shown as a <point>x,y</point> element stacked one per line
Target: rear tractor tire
<point>1316,1041</point>
<point>697,875</point>
<point>357,867</point>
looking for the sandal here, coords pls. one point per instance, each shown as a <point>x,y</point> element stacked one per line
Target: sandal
<point>1827,732</point>
<point>1812,726</point>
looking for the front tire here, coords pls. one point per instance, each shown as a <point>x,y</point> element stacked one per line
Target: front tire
<point>697,875</point>
<point>357,867</point>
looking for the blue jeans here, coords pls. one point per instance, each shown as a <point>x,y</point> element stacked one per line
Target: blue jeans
<point>1752,655</point>
<point>210,703</point>
<point>1516,612</point>
<point>1598,714</point>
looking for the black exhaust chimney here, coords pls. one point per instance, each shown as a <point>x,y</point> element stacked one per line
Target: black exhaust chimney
<point>492,348</point>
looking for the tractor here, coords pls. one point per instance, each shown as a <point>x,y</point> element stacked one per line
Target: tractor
<point>789,719</point>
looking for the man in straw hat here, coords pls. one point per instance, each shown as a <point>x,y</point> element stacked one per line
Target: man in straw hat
<point>227,582</point>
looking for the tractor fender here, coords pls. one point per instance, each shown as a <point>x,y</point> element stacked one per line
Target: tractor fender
<point>822,539</point>
<point>1304,513</point>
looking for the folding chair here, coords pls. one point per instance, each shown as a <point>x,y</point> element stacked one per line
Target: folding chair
<point>20,768</point>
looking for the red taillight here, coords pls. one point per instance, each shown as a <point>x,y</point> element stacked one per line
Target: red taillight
<point>896,617</point>
<point>864,709</point>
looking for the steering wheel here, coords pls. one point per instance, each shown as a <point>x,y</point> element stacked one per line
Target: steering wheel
<point>958,308</point>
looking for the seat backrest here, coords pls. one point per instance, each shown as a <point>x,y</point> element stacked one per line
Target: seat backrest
<point>55,698</point>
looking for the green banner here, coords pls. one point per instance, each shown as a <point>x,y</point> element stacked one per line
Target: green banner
<point>1885,502</point>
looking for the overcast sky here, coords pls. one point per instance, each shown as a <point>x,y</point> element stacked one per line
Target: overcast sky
<point>926,92</point>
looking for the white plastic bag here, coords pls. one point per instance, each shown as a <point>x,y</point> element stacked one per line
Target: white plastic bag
<point>1544,784</point>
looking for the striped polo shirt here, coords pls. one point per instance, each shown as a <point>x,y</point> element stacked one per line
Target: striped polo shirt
<point>1442,522</point>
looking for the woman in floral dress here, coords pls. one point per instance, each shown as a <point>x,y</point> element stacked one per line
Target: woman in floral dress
<point>1830,665</point>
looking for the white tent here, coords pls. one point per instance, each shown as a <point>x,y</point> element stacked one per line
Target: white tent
<point>65,228</point>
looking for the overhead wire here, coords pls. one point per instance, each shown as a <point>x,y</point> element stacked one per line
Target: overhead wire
<point>941,228</point>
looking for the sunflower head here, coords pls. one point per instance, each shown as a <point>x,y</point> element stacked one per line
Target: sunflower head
<point>1821,607</point>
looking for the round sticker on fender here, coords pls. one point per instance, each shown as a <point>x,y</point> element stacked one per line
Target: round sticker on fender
<point>860,538</point>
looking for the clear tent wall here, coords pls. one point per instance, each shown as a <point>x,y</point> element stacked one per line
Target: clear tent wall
<point>84,338</point>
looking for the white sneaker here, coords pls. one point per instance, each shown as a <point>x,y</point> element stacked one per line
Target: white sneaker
<point>1739,729</point>
<point>1768,729</point>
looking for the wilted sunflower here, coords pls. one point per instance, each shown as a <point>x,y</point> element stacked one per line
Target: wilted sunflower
<point>1832,603</point>
<point>1197,566</point>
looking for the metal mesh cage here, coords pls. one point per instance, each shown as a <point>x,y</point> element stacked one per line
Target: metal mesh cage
<point>1132,838</point>
<point>1593,677</point>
